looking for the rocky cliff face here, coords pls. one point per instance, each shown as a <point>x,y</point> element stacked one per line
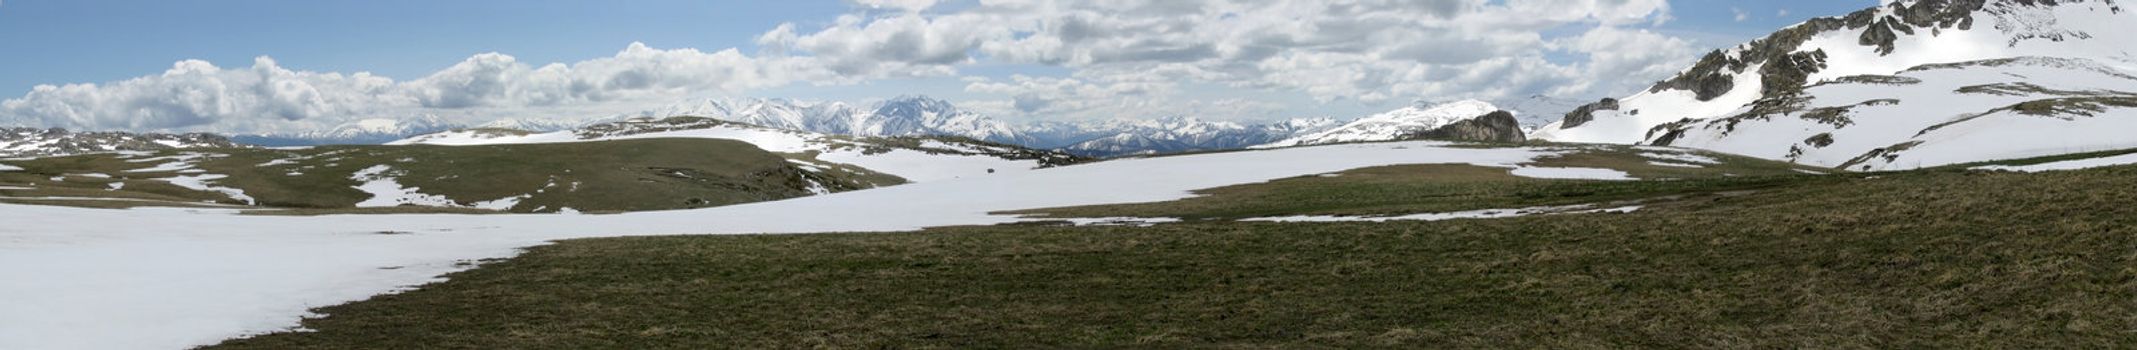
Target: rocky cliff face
<point>1499,126</point>
<point>1587,112</point>
<point>1909,83</point>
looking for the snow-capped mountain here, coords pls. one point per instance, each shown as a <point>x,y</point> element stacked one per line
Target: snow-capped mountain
<point>1903,85</point>
<point>924,116</point>
<point>366,131</point>
<point>535,125</point>
<point>1182,134</point>
<point>1395,124</point>
<point>902,116</point>
<point>1535,111</point>
<point>31,142</point>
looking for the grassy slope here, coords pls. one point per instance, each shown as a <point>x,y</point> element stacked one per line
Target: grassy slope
<point>650,174</point>
<point>1433,188</point>
<point>1930,259</point>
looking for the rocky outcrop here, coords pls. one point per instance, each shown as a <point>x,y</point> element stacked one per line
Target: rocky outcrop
<point>33,142</point>
<point>1586,113</point>
<point>1499,126</point>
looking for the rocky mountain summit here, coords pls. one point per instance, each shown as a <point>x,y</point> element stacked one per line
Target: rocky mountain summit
<point>1903,85</point>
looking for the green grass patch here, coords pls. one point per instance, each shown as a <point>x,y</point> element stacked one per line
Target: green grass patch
<point>1434,188</point>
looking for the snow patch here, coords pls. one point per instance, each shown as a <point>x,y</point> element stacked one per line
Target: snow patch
<point>201,183</point>
<point>1120,221</point>
<point>2078,164</point>
<point>1572,173</point>
<point>1472,214</point>
<point>386,191</point>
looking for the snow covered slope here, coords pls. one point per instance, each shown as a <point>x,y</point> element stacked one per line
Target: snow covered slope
<point>1904,85</point>
<point>915,159</point>
<point>1181,134</point>
<point>169,278</point>
<point>1395,124</point>
<point>29,142</point>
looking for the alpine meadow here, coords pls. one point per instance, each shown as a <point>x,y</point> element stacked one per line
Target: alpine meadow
<point>989,174</point>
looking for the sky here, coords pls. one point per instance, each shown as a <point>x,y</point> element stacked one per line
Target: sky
<point>261,66</point>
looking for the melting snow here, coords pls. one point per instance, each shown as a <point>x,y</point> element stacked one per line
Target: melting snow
<point>2078,164</point>
<point>502,204</point>
<point>386,191</point>
<point>200,183</point>
<point>1472,214</point>
<point>1120,221</point>
<point>1573,173</point>
<point>1675,165</point>
<point>1680,157</point>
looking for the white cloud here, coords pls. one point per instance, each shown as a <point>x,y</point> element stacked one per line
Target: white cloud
<point>1125,58</point>
<point>902,5</point>
<point>1366,50</point>
<point>197,95</point>
<point>1740,14</point>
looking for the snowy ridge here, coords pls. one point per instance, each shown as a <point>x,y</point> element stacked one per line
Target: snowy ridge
<point>30,143</point>
<point>902,116</point>
<point>1184,134</point>
<point>1881,88</point>
<point>1395,124</point>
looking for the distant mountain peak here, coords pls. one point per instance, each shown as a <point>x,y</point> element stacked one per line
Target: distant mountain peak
<point>1396,124</point>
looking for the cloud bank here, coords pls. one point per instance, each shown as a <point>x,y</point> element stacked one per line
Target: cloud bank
<point>1125,58</point>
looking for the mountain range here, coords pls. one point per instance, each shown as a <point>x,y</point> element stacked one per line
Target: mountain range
<point>921,116</point>
<point>1907,84</point>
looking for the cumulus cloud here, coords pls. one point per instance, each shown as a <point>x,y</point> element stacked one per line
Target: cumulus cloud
<point>1366,50</point>
<point>198,95</point>
<point>903,5</point>
<point>1123,58</point>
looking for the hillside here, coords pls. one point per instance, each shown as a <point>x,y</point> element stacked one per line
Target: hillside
<point>1394,125</point>
<point>1905,85</point>
<point>674,163</point>
<point>629,175</point>
<point>30,142</point>
<point>917,159</point>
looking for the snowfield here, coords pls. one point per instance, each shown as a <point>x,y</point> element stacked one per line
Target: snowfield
<point>2077,164</point>
<point>386,191</point>
<point>78,278</point>
<point>1393,124</point>
<point>1470,214</point>
<point>1940,96</point>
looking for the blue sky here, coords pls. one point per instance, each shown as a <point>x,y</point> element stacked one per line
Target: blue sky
<point>55,42</point>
